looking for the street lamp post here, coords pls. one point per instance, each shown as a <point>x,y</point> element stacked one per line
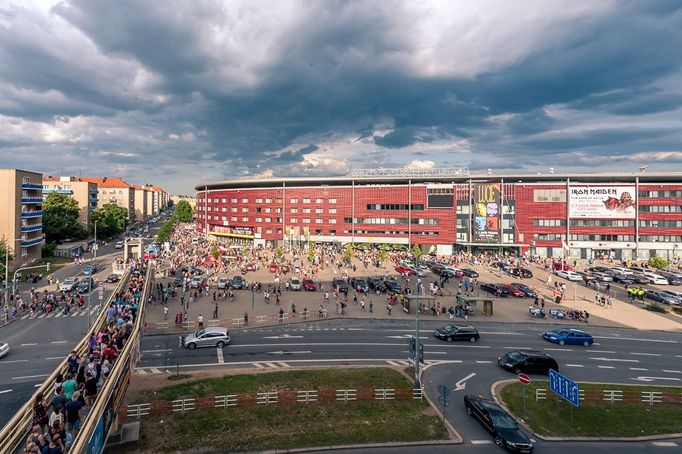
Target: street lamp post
<point>95,238</point>
<point>417,385</point>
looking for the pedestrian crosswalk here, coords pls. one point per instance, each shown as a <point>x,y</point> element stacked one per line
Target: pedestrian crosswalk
<point>57,314</point>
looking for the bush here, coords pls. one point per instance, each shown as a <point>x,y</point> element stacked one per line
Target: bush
<point>677,310</point>
<point>658,262</point>
<point>655,308</point>
<point>48,249</point>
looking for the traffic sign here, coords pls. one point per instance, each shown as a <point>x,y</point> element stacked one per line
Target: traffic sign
<point>564,387</point>
<point>523,378</point>
<point>101,293</point>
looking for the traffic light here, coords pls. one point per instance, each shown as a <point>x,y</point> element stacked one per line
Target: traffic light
<point>47,267</point>
<point>412,347</point>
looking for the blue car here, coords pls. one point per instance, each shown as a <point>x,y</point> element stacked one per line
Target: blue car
<point>569,336</point>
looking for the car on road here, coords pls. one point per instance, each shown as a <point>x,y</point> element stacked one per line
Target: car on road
<point>495,289</point>
<point>528,361</point>
<point>295,283</point>
<point>376,284</point>
<point>501,425</point>
<point>568,336</point>
<point>118,245</point>
<point>468,272</point>
<point>451,333</point>
<point>393,286</point>
<point>521,272</point>
<point>309,285</point>
<point>237,283</point>
<point>4,348</point>
<point>359,285</point>
<point>570,275</point>
<point>69,284</point>
<point>663,297</point>
<point>85,285</point>
<point>112,278</point>
<point>223,283</point>
<point>208,337</point>
<point>513,291</point>
<point>341,285</point>
<point>90,270</point>
<point>527,291</point>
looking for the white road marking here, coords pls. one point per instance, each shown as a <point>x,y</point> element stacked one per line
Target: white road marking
<point>259,365</point>
<point>606,367</point>
<point>28,345</point>
<point>602,351</point>
<point>55,357</point>
<point>437,353</point>
<point>15,361</point>
<point>664,444</point>
<point>483,362</point>
<point>616,360</point>
<point>645,354</point>
<point>672,371</point>
<point>41,316</point>
<point>156,351</point>
<point>574,365</point>
<point>639,368</point>
<point>481,442</point>
<point>285,365</point>
<point>141,371</point>
<point>559,349</point>
<point>154,370</point>
<point>517,348</point>
<point>24,317</point>
<point>271,365</point>
<point>221,359</point>
<point>57,315</point>
<point>638,339</point>
<point>31,376</point>
<point>5,391</point>
<point>58,342</point>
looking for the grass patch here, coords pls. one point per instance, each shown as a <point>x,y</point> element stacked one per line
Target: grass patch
<point>290,426</point>
<point>350,378</point>
<point>655,308</point>
<point>677,310</point>
<point>594,418</point>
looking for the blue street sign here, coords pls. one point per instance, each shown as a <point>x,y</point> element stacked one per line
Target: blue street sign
<point>564,387</point>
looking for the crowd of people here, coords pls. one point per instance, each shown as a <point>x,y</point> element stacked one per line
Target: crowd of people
<point>58,415</point>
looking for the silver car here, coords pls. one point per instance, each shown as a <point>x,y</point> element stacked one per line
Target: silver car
<point>295,284</point>
<point>208,337</point>
<point>223,283</point>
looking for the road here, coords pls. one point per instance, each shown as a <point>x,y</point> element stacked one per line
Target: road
<point>618,355</point>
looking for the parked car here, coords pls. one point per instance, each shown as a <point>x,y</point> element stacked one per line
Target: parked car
<point>662,297</point>
<point>528,361</point>
<point>393,286</point>
<point>672,278</point>
<point>655,278</point>
<point>237,283</point>
<point>359,285</point>
<point>562,266</point>
<point>640,278</point>
<point>90,269</point>
<point>622,270</point>
<point>451,333</point>
<point>403,270</point>
<point>295,283</point>
<point>527,291</point>
<point>341,285</point>
<point>223,283</point>
<point>376,284</point>
<point>4,348</point>
<point>568,336</point>
<point>623,278</point>
<point>601,269</point>
<point>513,291</point>
<point>273,268</point>
<point>112,278</point>
<point>208,337</point>
<point>603,277</point>
<point>85,285</point>
<point>495,289</point>
<point>498,422</point>
<point>521,272</point>
<point>197,282</point>
<point>69,284</point>
<point>179,281</point>
<point>468,272</point>
<point>118,245</point>
<point>570,275</point>
<point>436,267</point>
<point>309,285</point>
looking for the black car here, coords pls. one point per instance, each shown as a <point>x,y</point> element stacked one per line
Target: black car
<point>468,272</point>
<point>527,361</point>
<point>197,271</point>
<point>436,267</point>
<point>112,278</point>
<point>527,291</point>
<point>376,284</point>
<point>454,333</point>
<point>498,422</point>
<point>341,285</point>
<point>237,283</point>
<point>393,286</point>
<point>179,281</point>
<point>495,289</point>
<point>672,278</point>
<point>640,279</point>
<point>521,272</point>
<point>623,278</point>
<point>601,269</point>
<point>359,285</point>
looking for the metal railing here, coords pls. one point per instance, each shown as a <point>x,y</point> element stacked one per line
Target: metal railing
<point>14,434</point>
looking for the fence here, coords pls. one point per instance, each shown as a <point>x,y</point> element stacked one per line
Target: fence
<point>258,320</point>
<point>285,397</point>
<point>618,396</point>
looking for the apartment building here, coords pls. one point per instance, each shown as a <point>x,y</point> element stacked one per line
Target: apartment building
<point>85,193</point>
<point>142,212</point>
<point>21,215</point>
<point>116,191</point>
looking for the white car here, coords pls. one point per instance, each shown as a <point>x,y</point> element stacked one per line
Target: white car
<point>655,278</point>
<point>69,284</point>
<point>570,275</point>
<point>602,276</point>
<point>623,271</point>
<point>4,349</point>
<point>118,245</point>
<point>223,283</point>
<point>295,284</point>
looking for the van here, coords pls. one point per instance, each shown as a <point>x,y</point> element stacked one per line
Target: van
<point>195,240</point>
<point>527,361</point>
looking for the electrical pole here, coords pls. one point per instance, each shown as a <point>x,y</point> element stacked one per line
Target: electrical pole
<point>417,385</point>
<point>95,238</point>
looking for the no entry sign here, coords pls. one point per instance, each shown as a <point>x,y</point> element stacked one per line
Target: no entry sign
<point>523,378</point>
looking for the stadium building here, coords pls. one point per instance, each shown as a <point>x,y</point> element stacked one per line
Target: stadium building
<point>625,216</point>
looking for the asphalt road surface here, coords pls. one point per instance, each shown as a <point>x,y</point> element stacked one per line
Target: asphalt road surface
<point>618,355</point>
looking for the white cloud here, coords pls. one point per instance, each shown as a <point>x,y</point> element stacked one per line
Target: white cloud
<point>417,164</point>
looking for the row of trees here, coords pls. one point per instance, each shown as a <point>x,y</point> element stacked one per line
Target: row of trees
<point>183,213</point>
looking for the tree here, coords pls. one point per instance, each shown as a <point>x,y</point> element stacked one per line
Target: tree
<point>165,231</point>
<point>658,262</point>
<point>279,252</point>
<point>60,218</point>
<point>416,251</point>
<point>383,256</point>
<point>111,219</point>
<point>183,211</point>
<point>3,251</point>
<point>348,252</point>
<point>215,252</point>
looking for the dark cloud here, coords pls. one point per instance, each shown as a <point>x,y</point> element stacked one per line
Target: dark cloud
<point>530,122</point>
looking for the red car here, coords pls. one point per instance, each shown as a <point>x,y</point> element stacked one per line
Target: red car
<point>513,291</point>
<point>273,268</point>
<point>563,266</point>
<point>404,270</point>
<point>309,285</point>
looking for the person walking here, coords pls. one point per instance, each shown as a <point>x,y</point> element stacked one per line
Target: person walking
<point>200,321</point>
<point>165,313</point>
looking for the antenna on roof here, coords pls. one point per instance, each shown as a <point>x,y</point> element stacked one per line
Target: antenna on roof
<point>643,168</point>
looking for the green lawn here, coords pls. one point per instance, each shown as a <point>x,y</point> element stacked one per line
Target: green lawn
<point>594,418</point>
<point>290,426</point>
<point>350,378</point>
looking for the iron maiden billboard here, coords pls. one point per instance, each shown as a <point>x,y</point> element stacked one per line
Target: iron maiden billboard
<point>602,201</point>
<point>486,228</point>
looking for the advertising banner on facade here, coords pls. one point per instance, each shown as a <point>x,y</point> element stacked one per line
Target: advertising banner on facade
<point>487,211</point>
<point>602,202</point>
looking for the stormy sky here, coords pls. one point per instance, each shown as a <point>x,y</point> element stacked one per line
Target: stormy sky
<point>177,93</point>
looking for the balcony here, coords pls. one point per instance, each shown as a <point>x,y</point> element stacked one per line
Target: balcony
<point>60,191</point>
<point>31,214</point>
<point>31,228</point>
<point>93,200</point>
<point>26,200</point>
<point>32,241</point>
<point>31,186</point>
<point>94,191</point>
